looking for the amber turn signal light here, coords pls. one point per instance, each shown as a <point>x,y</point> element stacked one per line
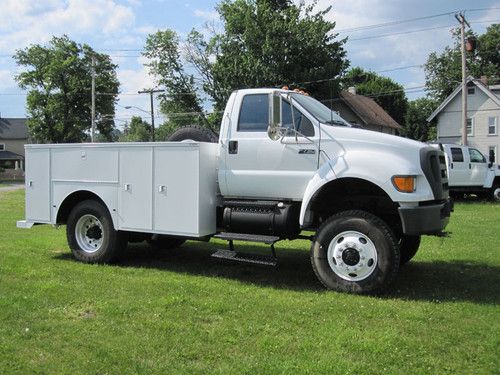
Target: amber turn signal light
<point>404,184</point>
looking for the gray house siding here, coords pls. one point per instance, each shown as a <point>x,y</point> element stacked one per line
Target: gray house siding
<point>480,107</point>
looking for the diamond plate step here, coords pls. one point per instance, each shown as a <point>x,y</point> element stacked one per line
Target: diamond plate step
<point>228,236</point>
<point>264,260</point>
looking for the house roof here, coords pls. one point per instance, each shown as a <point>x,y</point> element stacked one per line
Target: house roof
<point>13,128</point>
<point>479,84</point>
<point>368,110</point>
<point>9,155</point>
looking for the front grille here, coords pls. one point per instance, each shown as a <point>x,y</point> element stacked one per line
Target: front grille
<point>433,165</point>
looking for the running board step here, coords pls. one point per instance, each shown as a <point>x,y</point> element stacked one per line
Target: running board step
<point>261,259</point>
<point>228,236</point>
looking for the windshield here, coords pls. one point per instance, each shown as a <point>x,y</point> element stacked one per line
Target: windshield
<point>320,111</point>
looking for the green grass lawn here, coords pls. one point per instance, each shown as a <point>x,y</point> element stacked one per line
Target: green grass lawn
<point>184,312</point>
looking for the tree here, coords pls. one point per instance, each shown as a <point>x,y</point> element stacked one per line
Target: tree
<point>137,131</point>
<point>387,93</point>
<point>416,126</point>
<point>263,43</point>
<point>443,72</point>
<point>58,77</point>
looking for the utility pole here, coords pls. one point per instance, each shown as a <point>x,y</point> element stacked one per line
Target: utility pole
<point>151,92</point>
<point>92,133</point>
<point>461,19</point>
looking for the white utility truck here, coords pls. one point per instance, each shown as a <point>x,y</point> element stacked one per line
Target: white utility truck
<point>283,164</point>
<point>470,173</point>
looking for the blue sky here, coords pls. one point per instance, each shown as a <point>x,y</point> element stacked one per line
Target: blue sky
<point>110,25</point>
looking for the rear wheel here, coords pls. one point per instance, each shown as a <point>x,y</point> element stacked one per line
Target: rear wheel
<point>91,235</point>
<point>354,251</point>
<point>408,247</point>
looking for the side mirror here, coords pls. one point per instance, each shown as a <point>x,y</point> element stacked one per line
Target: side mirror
<point>274,129</point>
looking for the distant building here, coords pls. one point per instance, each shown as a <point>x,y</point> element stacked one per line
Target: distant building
<point>483,111</point>
<point>364,112</point>
<point>13,137</point>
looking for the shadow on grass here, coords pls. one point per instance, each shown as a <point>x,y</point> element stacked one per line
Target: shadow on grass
<point>426,281</point>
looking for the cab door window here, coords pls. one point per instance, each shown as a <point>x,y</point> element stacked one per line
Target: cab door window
<point>254,113</point>
<point>476,156</point>
<point>456,155</point>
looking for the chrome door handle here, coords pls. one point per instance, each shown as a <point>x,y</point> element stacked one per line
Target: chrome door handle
<point>126,187</point>
<point>162,189</point>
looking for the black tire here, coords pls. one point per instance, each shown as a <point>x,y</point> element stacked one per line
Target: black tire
<point>194,133</point>
<point>159,242</point>
<point>371,234</point>
<point>408,247</point>
<point>495,193</point>
<point>109,243</point>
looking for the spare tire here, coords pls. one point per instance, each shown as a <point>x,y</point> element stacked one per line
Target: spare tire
<point>193,133</point>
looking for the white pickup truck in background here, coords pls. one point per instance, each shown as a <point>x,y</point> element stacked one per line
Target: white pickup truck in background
<point>283,163</point>
<point>470,173</point>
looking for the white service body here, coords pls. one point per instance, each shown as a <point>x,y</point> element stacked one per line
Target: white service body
<point>167,188</point>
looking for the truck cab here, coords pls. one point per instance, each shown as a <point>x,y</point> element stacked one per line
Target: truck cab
<point>469,172</point>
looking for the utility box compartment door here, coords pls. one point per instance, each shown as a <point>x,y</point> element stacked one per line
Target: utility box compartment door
<point>38,185</point>
<point>176,196</point>
<point>135,189</point>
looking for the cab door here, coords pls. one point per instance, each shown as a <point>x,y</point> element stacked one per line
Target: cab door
<point>459,168</point>
<point>478,167</point>
<point>258,167</point>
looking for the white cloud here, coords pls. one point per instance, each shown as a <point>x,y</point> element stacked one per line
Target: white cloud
<point>25,22</point>
<point>208,15</point>
<point>6,80</point>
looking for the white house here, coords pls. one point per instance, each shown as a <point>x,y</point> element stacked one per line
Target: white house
<point>483,112</point>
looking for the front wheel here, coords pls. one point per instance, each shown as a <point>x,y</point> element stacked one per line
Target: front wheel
<point>495,193</point>
<point>356,252</point>
<point>408,247</point>
<point>91,235</point>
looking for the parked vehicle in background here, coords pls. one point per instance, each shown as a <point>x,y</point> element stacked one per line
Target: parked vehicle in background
<point>283,163</point>
<point>469,172</point>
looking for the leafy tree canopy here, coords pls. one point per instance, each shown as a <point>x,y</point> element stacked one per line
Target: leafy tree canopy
<point>137,130</point>
<point>58,79</point>
<point>261,43</point>
<point>416,126</point>
<point>443,72</point>
<point>387,93</point>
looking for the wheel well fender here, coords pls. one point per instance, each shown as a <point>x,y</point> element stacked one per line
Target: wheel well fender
<point>344,193</point>
<point>75,197</point>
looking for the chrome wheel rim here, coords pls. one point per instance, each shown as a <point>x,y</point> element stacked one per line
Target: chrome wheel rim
<point>496,194</point>
<point>89,233</point>
<point>352,256</point>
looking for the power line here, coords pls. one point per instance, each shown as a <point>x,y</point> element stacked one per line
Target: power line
<point>412,31</point>
<point>398,22</point>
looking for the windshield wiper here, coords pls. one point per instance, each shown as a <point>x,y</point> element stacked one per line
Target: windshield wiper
<point>336,122</point>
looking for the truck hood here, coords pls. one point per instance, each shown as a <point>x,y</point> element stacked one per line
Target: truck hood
<point>369,138</point>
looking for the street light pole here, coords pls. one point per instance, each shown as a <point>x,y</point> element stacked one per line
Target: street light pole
<point>151,92</point>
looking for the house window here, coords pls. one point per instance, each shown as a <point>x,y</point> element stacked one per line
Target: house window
<point>471,90</point>
<point>457,155</point>
<point>470,127</point>
<point>492,152</point>
<point>254,113</point>
<point>2,146</point>
<point>492,126</point>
